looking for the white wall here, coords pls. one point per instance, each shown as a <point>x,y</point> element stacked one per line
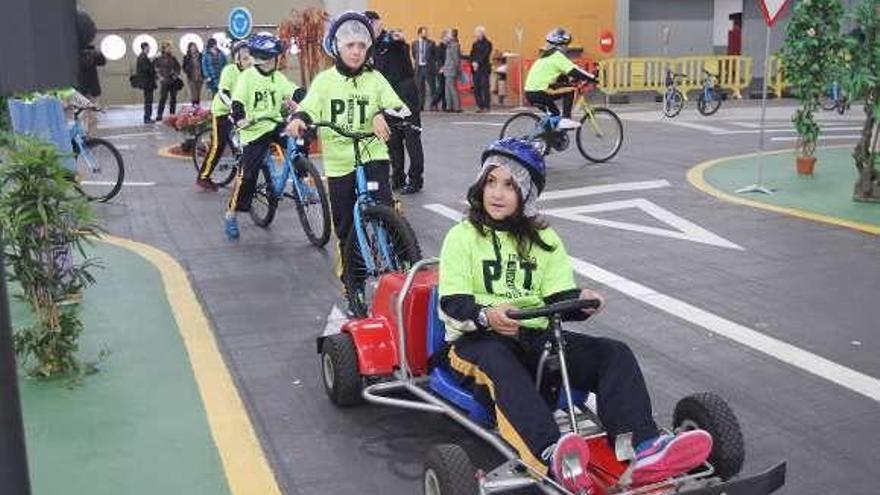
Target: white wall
<point>723,8</point>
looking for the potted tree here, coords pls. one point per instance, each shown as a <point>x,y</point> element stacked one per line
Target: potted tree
<point>810,55</point>
<point>43,219</point>
<point>862,82</point>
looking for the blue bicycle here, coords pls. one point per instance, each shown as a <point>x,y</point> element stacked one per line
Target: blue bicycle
<point>381,240</point>
<point>292,165</point>
<point>835,99</point>
<point>710,97</point>
<point>99,167</point>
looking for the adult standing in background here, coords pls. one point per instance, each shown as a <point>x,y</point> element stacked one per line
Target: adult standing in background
<point>213,61</point>
<point>391,59</point>
<point>192,67</point>
<point>452,70</point>
<point>87,81</point>
<point>145,75</point>
<point>168,70</point>
<point>439,95</point>
<point>481,53</point>
<point>423,59</point>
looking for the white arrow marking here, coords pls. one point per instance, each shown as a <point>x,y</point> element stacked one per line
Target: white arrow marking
<point>686,230</point>
<point>334,321</point>
<point>804,360</point>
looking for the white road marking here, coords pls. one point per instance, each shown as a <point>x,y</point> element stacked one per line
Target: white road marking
<point>804,360</point>
<point>787,130</point>
<point>821,138</point>
<point>683,229</point>
<point>602,189</point>
<point>492,124</point>
<point>334,321</point>
<point>131,135</point>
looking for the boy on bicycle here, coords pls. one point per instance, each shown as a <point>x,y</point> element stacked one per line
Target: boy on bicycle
<point>352,95</point>
<point>221,127</point>
<point>547,70</point>
<point>257,101</point>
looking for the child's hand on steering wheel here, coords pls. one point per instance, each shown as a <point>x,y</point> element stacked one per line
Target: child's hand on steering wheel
<point>500,322</point>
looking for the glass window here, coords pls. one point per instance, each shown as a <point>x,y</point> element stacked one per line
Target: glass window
<point>113,47</point>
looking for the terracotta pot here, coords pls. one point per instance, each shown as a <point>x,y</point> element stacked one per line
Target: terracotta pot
<point>805,165</point>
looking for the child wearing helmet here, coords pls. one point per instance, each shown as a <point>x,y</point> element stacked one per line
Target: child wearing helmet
<point>352,95</point>
<point>220,107</point>
<point>505,256</point>
<point>257,101</point>
<point>544,73</point>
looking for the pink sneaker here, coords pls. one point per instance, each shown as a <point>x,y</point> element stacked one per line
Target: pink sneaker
<point>568,463</point>
<point>667,456</point>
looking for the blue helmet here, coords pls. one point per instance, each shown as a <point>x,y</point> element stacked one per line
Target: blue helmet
<point>558,37</point>
<point>524,153</point>
<point>265,47</point>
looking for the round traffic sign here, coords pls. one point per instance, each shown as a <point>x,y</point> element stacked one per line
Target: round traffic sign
<point>606,41</point>
<point>240,22</point>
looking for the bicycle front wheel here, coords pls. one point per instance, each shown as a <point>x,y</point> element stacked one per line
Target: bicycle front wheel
<point>673,102</point>
<point>99,170</point>
<point>265,201</point>
<point>520,125</point>
<point>313,207</point>
<point>709,102</point>
<point>600,135</point>
<point>390,245</point>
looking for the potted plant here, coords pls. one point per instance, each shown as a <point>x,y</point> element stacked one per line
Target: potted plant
<point>43,219</point>
<point>190,121</point>
<point>810,56</point>
<point>862,82</point>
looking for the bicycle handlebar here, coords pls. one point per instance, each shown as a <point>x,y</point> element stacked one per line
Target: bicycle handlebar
<point>360,136</point>
<point>553,309</point>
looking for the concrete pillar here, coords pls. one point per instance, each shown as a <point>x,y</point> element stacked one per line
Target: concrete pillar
<point>621,36</point>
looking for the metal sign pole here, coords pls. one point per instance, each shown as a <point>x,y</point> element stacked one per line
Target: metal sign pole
<point>519,42</point>
<point>758,187</point>
<point>13,459</point>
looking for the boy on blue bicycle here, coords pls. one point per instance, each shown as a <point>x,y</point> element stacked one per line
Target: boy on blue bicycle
<point>547,70</point>
<point>352,95</point>
<point>257,101</point>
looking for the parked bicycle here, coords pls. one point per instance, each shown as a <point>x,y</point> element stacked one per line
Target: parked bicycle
<point>835,99</point>
<point>710,97</point>
<point>99,166</point>
<point>673,98</point>
<point>227,165</point>
<point>292,165</point>
<point>381,240</point>
<point>598,138</point>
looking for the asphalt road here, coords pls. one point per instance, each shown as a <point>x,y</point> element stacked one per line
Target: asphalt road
<point>809,285</point>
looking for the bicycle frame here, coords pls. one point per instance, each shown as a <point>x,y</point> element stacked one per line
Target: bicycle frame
<point>77,136</point>
<point>362,200</point>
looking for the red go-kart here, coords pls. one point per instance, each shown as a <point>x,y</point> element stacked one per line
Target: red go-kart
<point>388,352</point>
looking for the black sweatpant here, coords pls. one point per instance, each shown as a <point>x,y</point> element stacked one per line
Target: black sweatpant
<point>342,196</point>
<point>253,157</point>
<point>412,139</point>
<point>501,370</point>
<point>148,104</point>
<point>544,100</point>
<point>221,130</point>
<point>482,92</point>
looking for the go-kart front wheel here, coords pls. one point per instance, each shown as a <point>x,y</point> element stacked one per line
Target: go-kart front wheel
<point>448,471</point>
<point>339,369</point>
<point>711,413</point>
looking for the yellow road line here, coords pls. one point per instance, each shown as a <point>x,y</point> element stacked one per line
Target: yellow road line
<point>247,470</point>
<point>168,154</point>
<point>695,177</point>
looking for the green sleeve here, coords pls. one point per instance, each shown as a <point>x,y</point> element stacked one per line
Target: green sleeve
<point>387,96</point>
<point>227,78</point>
<point>314,100</point>
<point>563,64</point>
<point>558,274</point>
<point>241,91</point>
<point>455,269</point>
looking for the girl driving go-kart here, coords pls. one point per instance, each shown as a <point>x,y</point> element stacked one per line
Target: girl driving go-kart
<point>505,257</point>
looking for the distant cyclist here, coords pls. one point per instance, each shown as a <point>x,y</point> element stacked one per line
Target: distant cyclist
<point>542,83</point>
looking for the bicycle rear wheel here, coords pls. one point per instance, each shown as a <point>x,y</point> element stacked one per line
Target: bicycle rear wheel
<point>313,207</point>
<point>600,135</point>
<point>391,244</point>
<point>265,201</point>
<point>673,102</point>
<point>520,125</point>
<point>227,164</point>
<point>99,170</point>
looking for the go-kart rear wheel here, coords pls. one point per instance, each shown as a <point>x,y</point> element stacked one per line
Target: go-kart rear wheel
<point>448,471</point>
<point>339,369</point>
<point>710,412</point>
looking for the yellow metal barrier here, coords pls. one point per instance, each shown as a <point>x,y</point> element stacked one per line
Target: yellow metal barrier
<point>618,75</point>
<point>775,77</point>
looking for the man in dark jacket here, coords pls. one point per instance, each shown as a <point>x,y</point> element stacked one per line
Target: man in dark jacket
<point>423,59</point>
<point>439,97</point>
<point>391,58</point>
<point>481,54</point>
<point>145,75</point>
<point>87,81</point>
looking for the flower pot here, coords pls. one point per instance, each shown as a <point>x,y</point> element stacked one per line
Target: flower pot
<point>805,165</point>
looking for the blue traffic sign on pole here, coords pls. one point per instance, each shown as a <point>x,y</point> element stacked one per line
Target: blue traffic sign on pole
<point>240,22</point>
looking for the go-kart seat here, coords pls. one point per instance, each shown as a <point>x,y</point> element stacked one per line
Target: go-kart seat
<point>442,381</point>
